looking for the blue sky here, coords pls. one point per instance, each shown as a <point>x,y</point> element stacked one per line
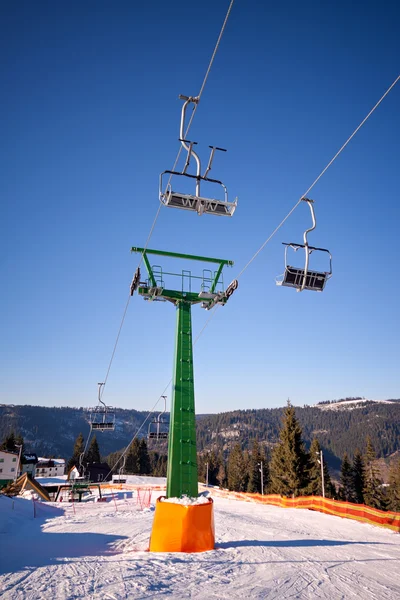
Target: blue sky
<point>90,117</point>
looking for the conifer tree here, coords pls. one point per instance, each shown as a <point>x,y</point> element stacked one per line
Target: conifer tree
<point>19,441</point>
<point>257,457</point>
<point>79,447</point>
<point>289,461</point>
<point>208,462</point>
<point>236,470</point>
<point>314,487</point>
<point>358,477</point>
<point>144,459</point>
<point>9,443</point>
<point>161,466</point>
<point>373,495</point>
<point>93,454</point>
<point>221,475</point>
<point>346,491</point>
<point>132,464</point>
<point>394,486</point>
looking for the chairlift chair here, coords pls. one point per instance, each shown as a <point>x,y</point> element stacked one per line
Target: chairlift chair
<point>102,417</point>
<point>158,428</point>
<point>195,202</point>
<point>303,278</point>
<point>121,477</point>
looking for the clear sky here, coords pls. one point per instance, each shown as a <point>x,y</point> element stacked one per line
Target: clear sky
<point>90,117</point>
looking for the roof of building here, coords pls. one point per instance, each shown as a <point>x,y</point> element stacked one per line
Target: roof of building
<point>51,462</point>
<point>28,459</point>
<point>27,482</point>
<point>8,452</point>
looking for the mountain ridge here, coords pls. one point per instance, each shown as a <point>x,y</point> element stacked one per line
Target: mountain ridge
<point>51,431</point>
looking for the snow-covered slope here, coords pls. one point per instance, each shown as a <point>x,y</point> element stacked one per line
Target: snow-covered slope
<point>351,404</point>
<point>263,552</point>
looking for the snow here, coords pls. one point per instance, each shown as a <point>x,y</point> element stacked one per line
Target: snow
<point>140,480</point>
<point>350,404</point>
<point>187,501</point>
<point>99,551</point>
<point>60,479</point>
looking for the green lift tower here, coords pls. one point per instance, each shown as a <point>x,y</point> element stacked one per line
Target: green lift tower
<point>182,454</point>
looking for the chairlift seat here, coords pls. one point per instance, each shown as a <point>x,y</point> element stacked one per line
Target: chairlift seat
<point>109,426</point>
<point>162,435</point>
<point>199,204</point>
<point>294,277</point>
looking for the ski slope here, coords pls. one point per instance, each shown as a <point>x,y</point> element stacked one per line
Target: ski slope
<point>263,552</point>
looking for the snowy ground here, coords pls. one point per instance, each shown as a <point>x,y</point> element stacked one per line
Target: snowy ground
<point>263,552</point>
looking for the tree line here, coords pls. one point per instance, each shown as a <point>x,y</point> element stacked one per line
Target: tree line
<point>293,471</point>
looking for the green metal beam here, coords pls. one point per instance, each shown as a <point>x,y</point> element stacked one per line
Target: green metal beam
<point>185,256</point>
<point>149,270</point>
<point>217,275</point>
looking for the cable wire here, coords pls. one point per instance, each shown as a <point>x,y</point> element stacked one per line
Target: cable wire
<point>305,194</point>
<point>274,231</point>
<point>319,176</point>
<point>173,168</point>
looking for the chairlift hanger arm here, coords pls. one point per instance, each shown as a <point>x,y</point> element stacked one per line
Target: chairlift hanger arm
<point>189,149</point>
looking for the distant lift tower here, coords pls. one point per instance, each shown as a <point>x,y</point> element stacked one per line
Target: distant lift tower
<point>182,474</point>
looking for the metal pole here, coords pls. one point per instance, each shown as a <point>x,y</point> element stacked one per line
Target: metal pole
<point>322,475</point>
<point>207,475</point>
<point>262,478</point>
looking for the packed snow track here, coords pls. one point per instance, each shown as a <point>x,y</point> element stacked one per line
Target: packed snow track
<point>262,552</point>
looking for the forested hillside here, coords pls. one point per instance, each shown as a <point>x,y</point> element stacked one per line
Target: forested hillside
<point>338,431</point>
<point>340,428</point>
<point>51,431</point>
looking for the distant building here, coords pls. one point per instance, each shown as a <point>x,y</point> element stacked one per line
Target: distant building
<point>29,462</point>
<point>97,472</point>
<point>50,467</point>
<point>73,473</point>
<point>9,466</point>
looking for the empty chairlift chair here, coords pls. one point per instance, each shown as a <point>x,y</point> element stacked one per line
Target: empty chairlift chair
<point>102,417</point>
<point>158,428</point>
<point>195,202</point>
<point>304,278</point>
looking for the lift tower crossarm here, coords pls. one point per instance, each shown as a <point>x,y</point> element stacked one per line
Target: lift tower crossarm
<point>184,256</point>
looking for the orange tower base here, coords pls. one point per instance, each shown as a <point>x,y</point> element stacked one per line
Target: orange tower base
<point>180,528</point>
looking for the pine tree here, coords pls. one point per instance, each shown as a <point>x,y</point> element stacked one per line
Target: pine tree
<point>144,459</point>
<point>9,443</point>
<point>132,464</point>
<point>256,459</point>
<point>19,441</point>
<point>314,487</point>
<point>346,480</point>
<point>289,461</point>
<point>236,470</point>
<point>394,486</point>
<point>79,447</point>
<point>373,495</point>
<point>221,475</point>
<point>358,477</point>
<point>93,454</point>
